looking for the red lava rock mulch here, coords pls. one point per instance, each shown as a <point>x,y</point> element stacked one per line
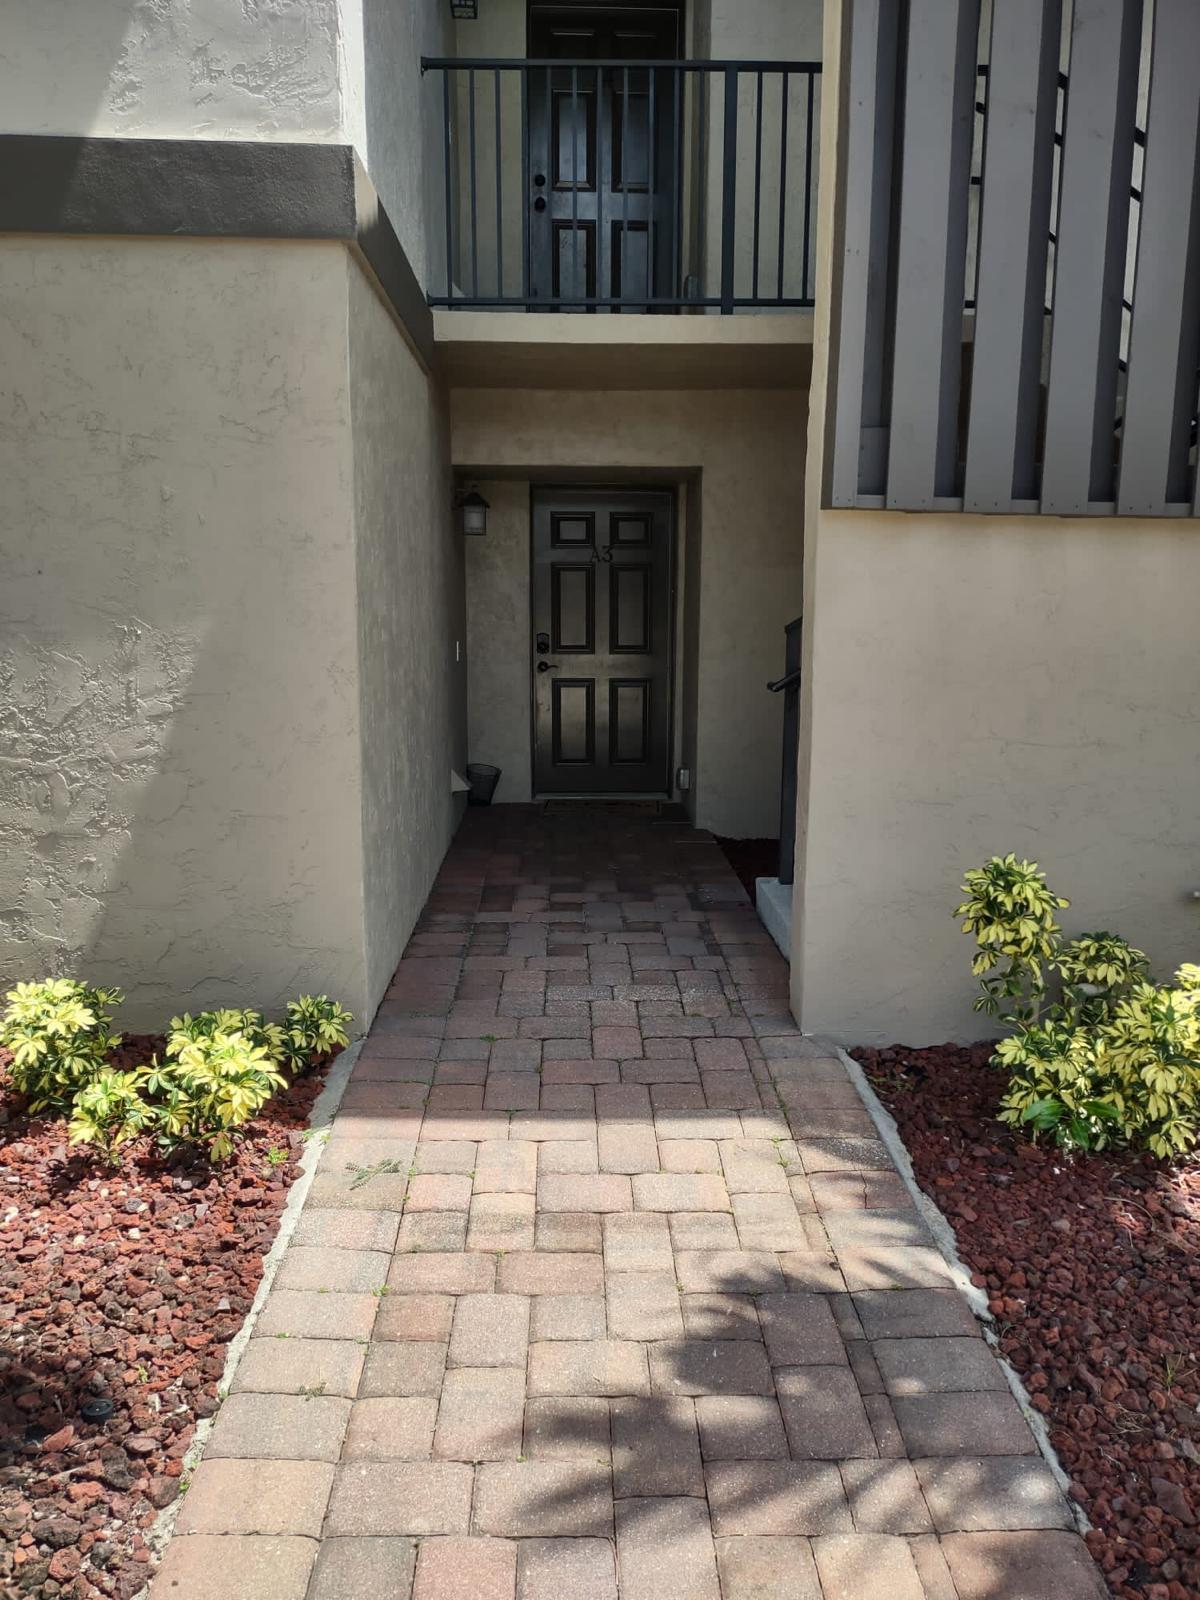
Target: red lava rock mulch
<point>1092,1269</point>
<point>128,1286</point>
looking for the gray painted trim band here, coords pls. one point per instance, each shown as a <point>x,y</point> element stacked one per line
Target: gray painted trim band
<point>210,188</point>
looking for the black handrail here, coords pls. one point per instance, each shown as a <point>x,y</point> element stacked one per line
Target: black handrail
<point>789,686</point>
<point>480,63</point>
<point>596,239</point>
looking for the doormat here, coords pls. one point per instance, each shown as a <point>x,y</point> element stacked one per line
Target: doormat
<point>607,808</point>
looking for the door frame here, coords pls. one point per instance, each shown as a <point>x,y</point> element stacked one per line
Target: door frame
<point>613,7</point>
<point>665,237</point>
<point>601,487</point>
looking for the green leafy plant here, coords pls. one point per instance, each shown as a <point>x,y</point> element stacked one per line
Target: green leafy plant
<point>1056,1086</point>
<point>111,1110</point>
<point>1097,969</point>
<point>1010,912</point>
<point>211,1088</point>
<point>1101,1055</point>
<point>1151,1045</point>
<point>253,1027</point>
<point>217,1071</point>
<point>59,1033</point>
<point>316,1026</point>
<point>389,1165</point>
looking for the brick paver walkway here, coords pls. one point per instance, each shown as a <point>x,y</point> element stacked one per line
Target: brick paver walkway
<point>606,1287</point>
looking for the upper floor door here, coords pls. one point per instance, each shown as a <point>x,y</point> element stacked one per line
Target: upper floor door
<point>604,155</point>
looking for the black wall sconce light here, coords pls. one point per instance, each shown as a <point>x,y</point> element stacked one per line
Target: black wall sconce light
<point>472,513</point>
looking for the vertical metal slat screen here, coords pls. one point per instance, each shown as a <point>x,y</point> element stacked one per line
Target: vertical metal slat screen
<point>1089,267</point>
<point>1014,242</point>
<point>1164,347</point>
<point>931,250</point>
<point>1062,397</point>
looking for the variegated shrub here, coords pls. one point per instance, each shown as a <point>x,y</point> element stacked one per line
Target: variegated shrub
<point>1101,1055</point>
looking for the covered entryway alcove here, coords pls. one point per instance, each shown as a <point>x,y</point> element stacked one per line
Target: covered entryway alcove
<point>644,548</point>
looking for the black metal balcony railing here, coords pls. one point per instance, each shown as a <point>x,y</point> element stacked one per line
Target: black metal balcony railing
<point>628,185</point>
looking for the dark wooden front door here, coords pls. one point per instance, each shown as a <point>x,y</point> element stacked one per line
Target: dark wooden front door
<point>603,155</point>
<point>601,641</point>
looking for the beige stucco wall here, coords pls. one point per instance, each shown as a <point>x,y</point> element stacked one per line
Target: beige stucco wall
<point>984,685</point>
<point>393,115</point>
<point>741,443</point>
<point>411,628</point>
<point>321,70</point>
<point>178,788</point>
<point>205,69</point>
<point>975,685</point>
<point>227,629</point>
<point>759,30</point>
<point>498,632</point>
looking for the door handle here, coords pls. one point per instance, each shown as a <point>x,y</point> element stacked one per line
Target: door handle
<point>545,666</point>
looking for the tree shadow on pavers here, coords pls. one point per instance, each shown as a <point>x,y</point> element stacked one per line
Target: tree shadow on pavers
<point>656,1454</point>
<point>719,1439</point>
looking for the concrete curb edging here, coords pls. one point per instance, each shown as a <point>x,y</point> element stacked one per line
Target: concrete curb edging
<point>320,1119</point>
<point>976,1298</point>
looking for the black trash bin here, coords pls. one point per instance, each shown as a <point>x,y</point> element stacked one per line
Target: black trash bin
<point>482,780</point>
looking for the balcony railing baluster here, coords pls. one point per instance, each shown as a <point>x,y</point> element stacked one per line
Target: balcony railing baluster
<point>729,190</point>
<point>808,187</point>
<point>783,138</point>
<point>676,194</point>
<point>758,118</point>
<point>499,185</point>
<point>683,216</point>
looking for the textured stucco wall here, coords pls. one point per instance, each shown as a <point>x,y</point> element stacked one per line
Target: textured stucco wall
<point>213,69</point>
<point>767,30</point>
<point>410,617</point>
<point>814,447</point>
<point>975,685</point>
<point>394,116</point>
<point>498,632</point>
<point>761,30</point>
<point>742,443</point>
<point>179,803</point>
<point>982,685</point>
<point>344,70</point>
<point>229,701</point>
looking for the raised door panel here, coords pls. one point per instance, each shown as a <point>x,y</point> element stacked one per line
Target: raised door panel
<point>573,717</point>
<point>630,627</point>
<point>631,703</point>
<point>572,608</point>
